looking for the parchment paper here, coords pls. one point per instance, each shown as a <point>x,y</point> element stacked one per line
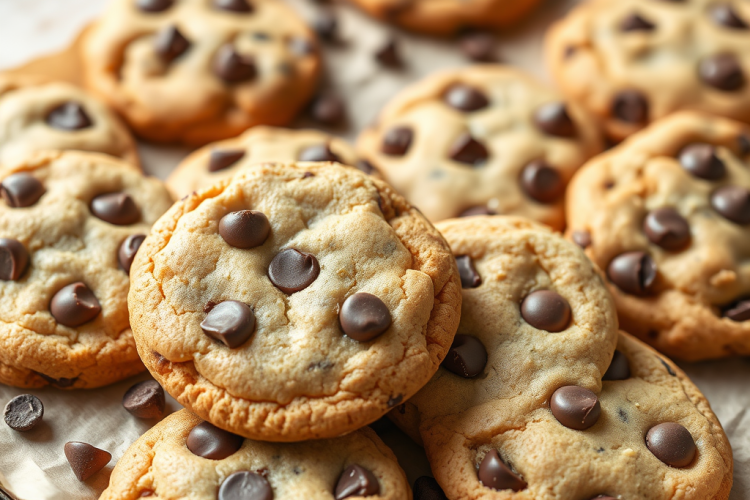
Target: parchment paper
<point>33,466</point>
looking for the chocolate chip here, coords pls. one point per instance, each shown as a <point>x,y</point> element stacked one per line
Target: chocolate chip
<point>469,276</point>
<point>208,441</point>
<point>546,310</point>
<point>396,141</point>
<point>145,400</point>
<point>291,270</point>
<point>170,44</point>
<point>224,158</point>
<point>364,317</point>
<point>467,356</point>
<point>234,5</point>
<point>722,71</point>
<point>319,152</point>
<point>69,116</point>
<point>426,488</point>
<point>465,97</point>
<point>395,400</point>
<point>619,368</point>
<point>478,210</point>
<point>672,444</point>
<point>468,150</point>
<point>326,25</point>
<point>62,383</point>
<point>356,481</point>
<point>74,305</point>
<point>233,67</point>
<point>667,367</point>
<point>154,5</point>
<point>23,412</point>
<point>636,22</point>
<point>724,15</point>
<point>85,460</point>
<point>493,473</point>
<point>230,322</point>
<point>553,119</point>
<point>700,160</point>
<point>245,485</point>
<point>366,167</point>
<point>245,228</point>
<point>13,259</point>
<point>146,493</point>
<point>738,311</point>
<point>575,407</point>
<point>732,202</point>
<point>667,228</point>
<point>630,106</point>
<point>128,249</point>
<point>328,109</point>
<point>21,190</point>
<point>478,46</point>
<point>633,272</point>
<point>582,238</point>
<point>116,208</point>
<point>542,182</point>
<point>389,55</point>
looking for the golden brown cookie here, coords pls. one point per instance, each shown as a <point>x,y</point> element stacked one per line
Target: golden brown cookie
<point>291,303</point>
<point>666,215</point>
<point>481,140</point>
<point>631,62</point>
<point>185,457</point>
<point>198,71</point>
<point>534,402</point>
<point>69,226</point>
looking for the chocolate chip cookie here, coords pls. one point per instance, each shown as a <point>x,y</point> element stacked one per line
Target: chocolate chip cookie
<point>36,115</point>
<point>224,159</point>
<point>634,61</point>
<point>293,302</point>
<point>447,17</point>
<point>482,140</point>
<point>198,71</point>
<point>185,457</point>
<point>538,394</point>
<point>70,224</point>
<point>666,215</point>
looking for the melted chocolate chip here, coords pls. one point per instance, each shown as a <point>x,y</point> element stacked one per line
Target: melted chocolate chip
<point>733,203</point>
<point>319,152</point>
<point>619,368</point>
<point>389,55</point>
<point>245,485</point>
<point>722,71</point>
<point>356,481</point>
<point>582,238</point>
<point>467,356</point>
<point>245,228</point>
<point>667,228</point>
<point>364,317</point>
<point>128,249</point>
<point>208,441</point>
<point>575,407</point>
<point>478,46</point>
<point>154,5</point>
<point>170,44</point>
<point>240,6</point>
<point>13,259</point>
<point>633,272</point>
<point>426,488</point>
<point>396,141</point>
<point>69,116</point>
<point>469,276</point>
<point>542,182</point>
<point>723,14</point>
<point>145,400</point>
<point>630,106</point>
<point>224,158</point>
<point>493,473</point>
<point>291,270</point>
<point>21,190</point>
<point>553,119</point>
<point>74,305</point>
<point>230,322</point>
<point>672,444</point>
<point>233,67</point>
<point>738,310</point>
<point>326,25</point>
<point>468,150</point>
<point>116,208</point>
<point>546,310</point>
<point>366,167</point>
<point>23,412</point>
<point>667,367</point>
<point>636,22</point>
<point>328,109</point>
<point>700,160</point>
<point>465,98</point>
<point>85,460</point>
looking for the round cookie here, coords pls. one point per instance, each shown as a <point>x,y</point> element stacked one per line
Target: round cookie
<point>198,71</point>
<point>666,215</point>
<point>485,139</point>
<point>185,457</point>
<point>67,221</point>
<point>634,61</point>
<point>292,303</point>
<point>224,159</point>
<point>36,116</point>
<point>534,402</point>
<point>448,17</point>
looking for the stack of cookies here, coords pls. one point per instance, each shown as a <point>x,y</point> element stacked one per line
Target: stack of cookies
<point>295,294</point>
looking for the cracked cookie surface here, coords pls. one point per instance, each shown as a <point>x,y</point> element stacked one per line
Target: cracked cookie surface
<point>559,406</point>
<point>63,220</point>
<point>293,302</point>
